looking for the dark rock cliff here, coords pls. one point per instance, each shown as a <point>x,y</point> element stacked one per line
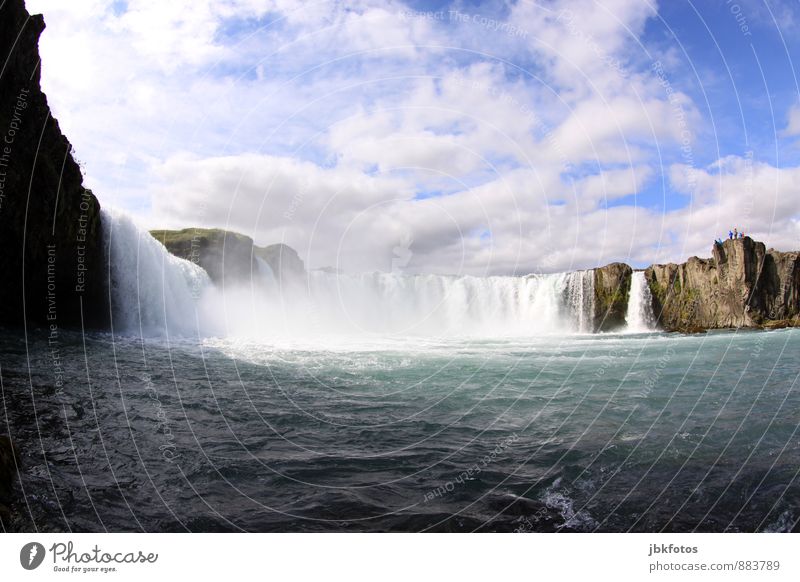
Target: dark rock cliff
<point>780,288</point>
<point>229,257</point>
<point>742,285</point>
<point>50,235</point>
<point>612,285</point>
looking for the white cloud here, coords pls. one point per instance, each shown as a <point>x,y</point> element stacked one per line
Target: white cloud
<point>346,129</point>
<point>757,198</point>
<point>793,122</point>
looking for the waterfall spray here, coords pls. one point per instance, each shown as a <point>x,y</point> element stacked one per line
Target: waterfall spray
<point>152,291</point>
<point>156,293</point>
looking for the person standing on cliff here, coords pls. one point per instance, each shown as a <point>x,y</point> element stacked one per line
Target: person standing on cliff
<point>735,233</point>
<point>730,234</point>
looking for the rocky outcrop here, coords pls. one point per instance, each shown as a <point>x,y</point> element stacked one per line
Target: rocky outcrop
<point>742,285</point>
<point>612,285</point>
<point>780,287</point>
<point>284,261</point>
<point>50,231</point>
<point>226,256</point>
<point>229,257</point>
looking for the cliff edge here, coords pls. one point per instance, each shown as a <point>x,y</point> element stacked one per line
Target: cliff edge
<point>229,257</point>
<point>741,285</point>
<point>50,232</point>
<point>612,285</point>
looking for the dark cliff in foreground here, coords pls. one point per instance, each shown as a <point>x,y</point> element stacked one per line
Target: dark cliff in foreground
<point>50,230</point>
<point>230,257</point>
<point>742,285</point>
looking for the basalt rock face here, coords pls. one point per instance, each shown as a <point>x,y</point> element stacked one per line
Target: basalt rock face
<point>229,257</point>
<point>226,256</point>
<point>50,234</point>
<point>612,285</point>
<point>742,285</point>
<point>284,261</point>
<point>780,287</point>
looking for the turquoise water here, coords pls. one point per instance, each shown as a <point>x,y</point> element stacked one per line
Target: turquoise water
<point>638,432</point>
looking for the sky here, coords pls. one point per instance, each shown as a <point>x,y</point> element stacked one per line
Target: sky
<point>464,137</point>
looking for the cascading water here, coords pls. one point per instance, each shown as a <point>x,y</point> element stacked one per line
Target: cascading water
<point>152,291</point>
<point>264,272</point>
<point>156,293</point>
<point>329,304</point>
<point>579,294</point>
<point>639,316</point>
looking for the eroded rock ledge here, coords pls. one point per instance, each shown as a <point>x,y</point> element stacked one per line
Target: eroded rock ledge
<point>229,257</point>
<point>742,285</point>
<point>612,285</point>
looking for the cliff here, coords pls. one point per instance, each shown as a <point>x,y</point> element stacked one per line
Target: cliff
<point>229,257</point>
<point>741,285</point>
<point>283,260</point>
<point>612,285</point>
<point>50,231</point>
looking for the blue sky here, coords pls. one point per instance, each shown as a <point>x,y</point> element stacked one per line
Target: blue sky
<point>483,137</point>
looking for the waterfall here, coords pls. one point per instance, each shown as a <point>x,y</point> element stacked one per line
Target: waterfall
<point>416,305</point>
<point>639,316</point>
<point>264,273</point>
<point>580,299</point>
<point>152,291</point>
<point>156,293</point>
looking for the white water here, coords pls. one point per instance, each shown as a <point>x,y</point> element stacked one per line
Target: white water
<point>639,315</point>
<point>580,297</point>
<point>327,304</point>
<point>154,292</point>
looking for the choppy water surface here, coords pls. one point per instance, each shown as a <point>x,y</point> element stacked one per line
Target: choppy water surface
<point>641,432</point>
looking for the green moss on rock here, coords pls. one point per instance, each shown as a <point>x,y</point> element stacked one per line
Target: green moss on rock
<point>612,285</point>
<point>229,257</point>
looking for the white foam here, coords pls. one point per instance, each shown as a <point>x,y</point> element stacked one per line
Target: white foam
<point>639,316</point>
<point>152,291</point>
<point>156,293</point>
<point>328,304</point>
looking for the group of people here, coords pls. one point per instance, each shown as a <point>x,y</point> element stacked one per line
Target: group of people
<point>732,234</point>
